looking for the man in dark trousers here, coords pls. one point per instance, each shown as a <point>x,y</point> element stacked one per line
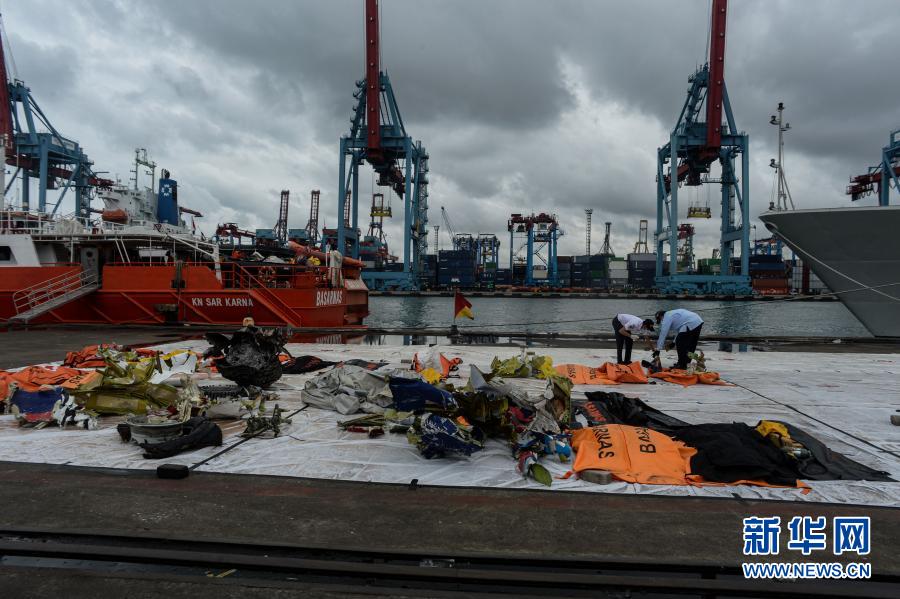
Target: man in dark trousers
<point>624,326</point>
<point>685,325</point>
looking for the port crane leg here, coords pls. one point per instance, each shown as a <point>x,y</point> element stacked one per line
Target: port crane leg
<point>529,262</point>
<point>42,182</point>
<point>660,204</point>
<point>354,210</point>
<point>673,207</point>
<point>342,195</point>
<point>745,205</point>
<point>408,208</point>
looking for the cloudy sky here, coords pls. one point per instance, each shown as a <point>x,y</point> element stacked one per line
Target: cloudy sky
<point>523,105</point>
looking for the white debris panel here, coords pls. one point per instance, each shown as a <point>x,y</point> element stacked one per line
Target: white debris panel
<point>843,399</point>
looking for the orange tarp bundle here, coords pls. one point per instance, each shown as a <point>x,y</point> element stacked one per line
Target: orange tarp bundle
<point>632,454</point>
<point>607,374</point>
<point>90,357</point>
<point>35,377</point>
<point>682,377</point>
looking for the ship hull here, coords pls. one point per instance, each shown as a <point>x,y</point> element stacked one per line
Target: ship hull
<point>855,252</point>
<point>146,295</point>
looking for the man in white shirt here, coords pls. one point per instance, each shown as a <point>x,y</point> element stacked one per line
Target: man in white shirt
<point>685,325</point>
<point>624,326</point>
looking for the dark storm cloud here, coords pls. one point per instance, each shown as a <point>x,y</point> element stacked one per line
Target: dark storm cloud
<point>523,105</point>
<point>475,62</point>
<point>50,66</point>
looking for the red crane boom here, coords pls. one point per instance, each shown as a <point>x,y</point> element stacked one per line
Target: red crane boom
<point>373,82</point>
<point>716,84</point>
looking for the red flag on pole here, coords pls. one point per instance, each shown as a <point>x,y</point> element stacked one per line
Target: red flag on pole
<point>462,307</point>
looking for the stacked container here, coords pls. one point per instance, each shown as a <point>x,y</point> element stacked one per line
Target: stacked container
<point>518,274</point>
<point>642,271</point>
<point>564,270</point>
<point>599,269</point>
<point>618,273</point>
<point>429,274</point>
<point>580,272</point>
<point>503,276</point>
<point>456,268</point>
<point>769,274</point>
<point>487,276</point>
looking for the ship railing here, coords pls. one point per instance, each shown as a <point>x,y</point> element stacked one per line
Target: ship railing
<point>52,288</point>
<point>263,281</point>
<point>41,223</point>
<point>271,276</point>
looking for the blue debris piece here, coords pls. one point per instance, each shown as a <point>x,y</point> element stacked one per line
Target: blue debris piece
<point>36,406</point>
<point>437,436</point>
<point>413,395</point>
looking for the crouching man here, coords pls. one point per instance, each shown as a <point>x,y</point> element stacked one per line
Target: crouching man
<point>685,326</point>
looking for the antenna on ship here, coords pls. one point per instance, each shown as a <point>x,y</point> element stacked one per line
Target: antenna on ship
<point>141,159</point>
<point>783,200</point>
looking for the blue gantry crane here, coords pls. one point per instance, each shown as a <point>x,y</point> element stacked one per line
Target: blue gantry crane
<point>878,179</point>
<point>541,234</point>
<point>694,145</point>
<point>36,149</point>
<point>379,138</point>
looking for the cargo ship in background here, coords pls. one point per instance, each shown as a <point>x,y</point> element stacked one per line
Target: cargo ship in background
<point>139,263</point>
<point>855,251</point>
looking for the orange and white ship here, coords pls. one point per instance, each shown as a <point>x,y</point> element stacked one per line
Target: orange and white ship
<point>139,263</point>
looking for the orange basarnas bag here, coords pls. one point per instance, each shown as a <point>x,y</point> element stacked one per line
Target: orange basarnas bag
<point>632,454</point>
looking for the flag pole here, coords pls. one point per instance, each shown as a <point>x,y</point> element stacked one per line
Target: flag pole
<point>454,330</point>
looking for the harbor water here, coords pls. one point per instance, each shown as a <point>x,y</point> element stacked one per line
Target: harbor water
<point>569,315</point>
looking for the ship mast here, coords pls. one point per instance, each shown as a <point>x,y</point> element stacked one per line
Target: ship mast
<point>784,200</point>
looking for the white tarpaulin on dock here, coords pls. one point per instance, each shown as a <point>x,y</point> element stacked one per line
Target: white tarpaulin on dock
<point>843,399</point>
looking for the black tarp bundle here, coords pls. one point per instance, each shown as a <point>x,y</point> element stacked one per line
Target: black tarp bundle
<point>727,452</point>
<point>304,364</point>
<point>249,356</point>
<point>197,432</point>
<point>604,407</point>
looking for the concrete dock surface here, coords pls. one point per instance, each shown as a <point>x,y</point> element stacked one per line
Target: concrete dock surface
<point>317,486</point>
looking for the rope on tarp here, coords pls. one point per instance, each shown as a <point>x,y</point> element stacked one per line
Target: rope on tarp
<point>242,440</point>
<point>820,421</point>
